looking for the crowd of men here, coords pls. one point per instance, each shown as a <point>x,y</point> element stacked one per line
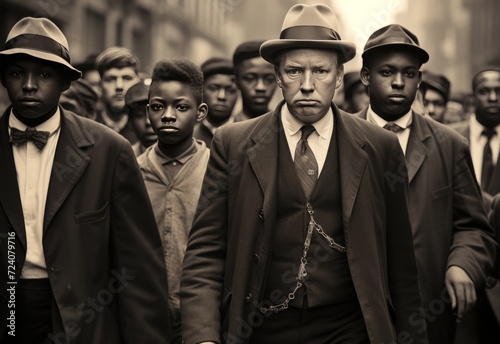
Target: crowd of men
<point>142,208</point>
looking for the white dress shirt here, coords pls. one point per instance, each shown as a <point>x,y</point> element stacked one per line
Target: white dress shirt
<point>404,122</point>
<point>319,141</point>
<point>33,168</point>
<point>477,142</point>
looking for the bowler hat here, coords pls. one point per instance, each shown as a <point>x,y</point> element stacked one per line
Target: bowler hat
<point>438,82</point>
<point>394,36</point>
<point>309,27</point>
<point>217,65</point>
<point>40,38</point>
<point>246,50</point>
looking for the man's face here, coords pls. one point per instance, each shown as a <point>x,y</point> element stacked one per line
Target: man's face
<point>220,93</point>
<point>487,93</point>
<point>34,86</point>
<point>257,83</point>
<point>114,84</point>
<point>138,117</point>
<point>435,104</point>
<point>173,111</point>
<point>393,78</point>
<point>308,79</point>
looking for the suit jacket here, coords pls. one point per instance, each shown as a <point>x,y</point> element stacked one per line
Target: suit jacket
<point>229,249</point>
<point>449,223</point>
<point>101,244</point>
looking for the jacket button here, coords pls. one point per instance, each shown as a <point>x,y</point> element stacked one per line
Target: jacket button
<point>261,214</point>
<point>256,257</point>
<point>248,298</point>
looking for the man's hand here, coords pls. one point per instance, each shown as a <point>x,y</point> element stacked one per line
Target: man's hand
<point>461,290</point>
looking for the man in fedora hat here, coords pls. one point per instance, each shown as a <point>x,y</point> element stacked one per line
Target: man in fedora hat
<point>435,91</point>
<point>453,240</point>
<point>288,244</point>
<point>81,257</point>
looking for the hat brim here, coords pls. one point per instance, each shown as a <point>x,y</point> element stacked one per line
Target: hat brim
<point>269,48</point>
<point>74,73</point>
<point>422,54</point>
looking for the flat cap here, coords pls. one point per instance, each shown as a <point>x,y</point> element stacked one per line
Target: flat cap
<point>217,65</point>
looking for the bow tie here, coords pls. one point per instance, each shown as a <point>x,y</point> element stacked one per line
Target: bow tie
<point>39,138</point>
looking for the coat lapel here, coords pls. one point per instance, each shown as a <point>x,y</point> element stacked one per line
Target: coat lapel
<point>418,145</point>
<point>9,189</point>
<point>71,159</point>
<point>352,159</point>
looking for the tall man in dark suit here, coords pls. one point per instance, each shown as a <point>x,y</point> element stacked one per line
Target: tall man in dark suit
<point>453,240</point>
<point>80,256</point>
<point>289,244</point>
<point>482,130</point>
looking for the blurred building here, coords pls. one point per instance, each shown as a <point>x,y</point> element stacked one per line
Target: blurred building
<point>153,29</point>
<point>460,35</point>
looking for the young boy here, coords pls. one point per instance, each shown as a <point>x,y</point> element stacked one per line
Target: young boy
<point>174,167</point>
<point>453,241</point>
<point>80,254</point>
<point>136,102</point>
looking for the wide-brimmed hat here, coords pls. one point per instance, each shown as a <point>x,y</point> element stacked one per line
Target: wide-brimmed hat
<point>309,27</point>
<point>394,36</point>
<point>40,38</point>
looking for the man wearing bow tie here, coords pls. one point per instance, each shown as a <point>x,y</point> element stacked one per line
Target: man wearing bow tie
<point>80,256</point>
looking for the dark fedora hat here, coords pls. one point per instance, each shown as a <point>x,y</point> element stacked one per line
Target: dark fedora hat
<point>394,36</point>
<point>309,27</point>
<point>438,82</point>
<point>40,38</point>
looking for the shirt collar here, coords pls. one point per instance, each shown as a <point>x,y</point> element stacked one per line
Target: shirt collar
<point>476,128</point>
<point>403,121</point>
<point>293,125</point>
<point>182,158</point>
<point>49,125</point>
<point>116,126</point>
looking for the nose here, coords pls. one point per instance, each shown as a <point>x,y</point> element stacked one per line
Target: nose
<point>30,82</point>
<point>493,97</point>
<point>119,83</point>
<point>430,108</point>
<point>398,81</point>
<point>307,84</point>
<point>169,115</point>
<point>260,87</point>
<point>221,95</point>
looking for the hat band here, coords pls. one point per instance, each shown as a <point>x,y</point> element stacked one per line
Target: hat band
<point>38,42</point>
<point>310,33</point>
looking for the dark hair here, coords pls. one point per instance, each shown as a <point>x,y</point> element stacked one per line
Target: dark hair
<point>116,57</point>
<point>183,71</point>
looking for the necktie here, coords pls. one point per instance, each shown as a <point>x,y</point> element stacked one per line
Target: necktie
<point>391,126</point>
<point>487,168</point>
<point>39,138</point>
<point>305,162</point>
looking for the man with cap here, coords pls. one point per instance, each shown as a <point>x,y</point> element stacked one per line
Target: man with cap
<point>81,258</point>
<point>80,98</point>
<point>288,245</point>
<point>355,93</point>
<point>220,94</point>
<point>453,240</point>
<point>436,91</point>
<point>136,101</point>
<point>255,78</point>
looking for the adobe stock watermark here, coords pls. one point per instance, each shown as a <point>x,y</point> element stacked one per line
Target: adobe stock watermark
<point>51,8</point>
<point>379,18</point>
<point>224,6</point>
<point>89,308</point>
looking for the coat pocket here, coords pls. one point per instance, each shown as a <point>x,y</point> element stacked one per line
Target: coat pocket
<point>440,193</point>
<point>92,216</point>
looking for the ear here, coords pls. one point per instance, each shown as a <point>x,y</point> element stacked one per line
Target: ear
<point>66,84</point>
<point>278,77</point>
<point>365,76</point>
<point>340,76</point>
<point>419,77</point>
<point>202,112</point>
